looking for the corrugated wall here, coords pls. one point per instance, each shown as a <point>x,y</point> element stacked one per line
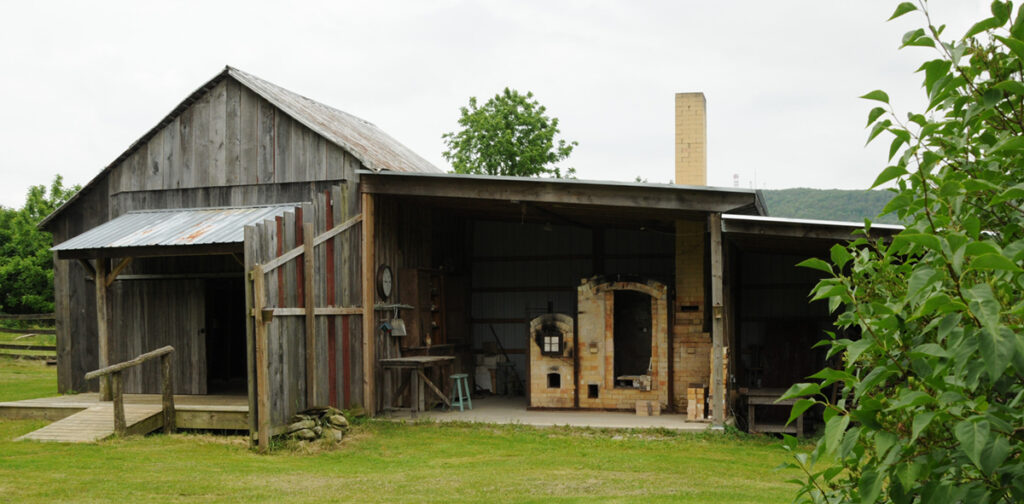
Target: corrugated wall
<point>519,268</point>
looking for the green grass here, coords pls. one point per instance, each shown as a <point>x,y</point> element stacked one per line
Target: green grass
<point>25,379</point>
<point>382,461</point>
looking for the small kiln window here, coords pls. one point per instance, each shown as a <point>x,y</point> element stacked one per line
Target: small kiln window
<point>550,341</point>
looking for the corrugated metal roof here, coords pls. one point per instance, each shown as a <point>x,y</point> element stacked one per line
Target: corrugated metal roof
<point>372,146</point>
<point>162,228</point>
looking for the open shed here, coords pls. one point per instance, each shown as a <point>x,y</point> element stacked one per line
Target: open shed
<point>275,241</point>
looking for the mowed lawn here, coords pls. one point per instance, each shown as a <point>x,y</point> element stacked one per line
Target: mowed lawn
<point>381,461</point>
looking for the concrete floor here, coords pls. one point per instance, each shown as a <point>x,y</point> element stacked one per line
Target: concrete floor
<point>502,410</point>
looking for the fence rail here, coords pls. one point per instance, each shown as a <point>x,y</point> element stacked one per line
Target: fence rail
<point>28,316</point>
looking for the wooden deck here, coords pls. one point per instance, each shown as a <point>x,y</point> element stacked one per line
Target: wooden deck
<point>97,422</point>
<point>87,414</point>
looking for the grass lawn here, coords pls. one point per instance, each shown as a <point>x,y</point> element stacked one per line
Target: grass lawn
<point>382,461</point>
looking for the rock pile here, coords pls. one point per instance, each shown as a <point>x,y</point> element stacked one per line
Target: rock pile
<point>318,423</point>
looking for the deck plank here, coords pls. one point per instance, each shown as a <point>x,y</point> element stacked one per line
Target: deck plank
<point>96,423</point>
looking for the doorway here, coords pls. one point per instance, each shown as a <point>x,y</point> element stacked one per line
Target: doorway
<point>225,336</point>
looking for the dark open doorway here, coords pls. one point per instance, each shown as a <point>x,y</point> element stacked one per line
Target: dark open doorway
<point>632,333</point>
<point>225,336</point>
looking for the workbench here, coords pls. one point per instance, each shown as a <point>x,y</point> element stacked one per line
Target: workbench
<point>418,367</point>
<point>770,397</point>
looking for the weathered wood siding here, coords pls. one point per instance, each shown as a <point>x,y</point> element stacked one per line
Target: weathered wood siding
<point>403,238</point>
<point>146,315</point>
<point>229,137</point>
<point>228,148</point>
<point>336,282</point>
<point>75,297</point>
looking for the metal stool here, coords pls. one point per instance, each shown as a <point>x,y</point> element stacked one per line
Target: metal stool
<point>460,382</point>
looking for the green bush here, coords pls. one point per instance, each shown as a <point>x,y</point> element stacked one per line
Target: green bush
<point>931,407</point>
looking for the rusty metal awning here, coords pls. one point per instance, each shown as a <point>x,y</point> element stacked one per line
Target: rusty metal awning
<point>175,232</point>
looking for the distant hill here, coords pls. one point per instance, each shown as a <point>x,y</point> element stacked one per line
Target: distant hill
<point>829,204</point>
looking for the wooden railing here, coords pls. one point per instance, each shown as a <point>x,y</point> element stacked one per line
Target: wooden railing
<point>116,386</point>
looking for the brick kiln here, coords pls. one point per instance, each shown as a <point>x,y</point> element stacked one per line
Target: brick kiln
<point>619,357</point>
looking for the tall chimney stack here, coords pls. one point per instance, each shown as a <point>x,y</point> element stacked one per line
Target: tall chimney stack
<point>691,139</point>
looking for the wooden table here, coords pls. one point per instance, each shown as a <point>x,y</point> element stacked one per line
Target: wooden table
<point>768,397</point>
<point>417,366</point>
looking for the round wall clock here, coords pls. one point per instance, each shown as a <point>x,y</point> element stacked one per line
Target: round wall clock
<point>385,281</point>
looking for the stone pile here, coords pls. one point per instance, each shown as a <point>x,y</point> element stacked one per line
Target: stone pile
<point>318,423</point>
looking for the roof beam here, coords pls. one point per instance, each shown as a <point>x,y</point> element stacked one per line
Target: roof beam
<point>651,197</point>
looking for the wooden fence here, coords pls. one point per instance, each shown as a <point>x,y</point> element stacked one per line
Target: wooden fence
<point>20,348</point>
<point>303,294</point>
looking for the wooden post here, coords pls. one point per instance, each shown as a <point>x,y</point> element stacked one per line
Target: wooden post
<point>717,321</point>
<point>307,273</point>
<point>166,365</point>
<point>262,383</point>
<point>369,285</point>
<point>102,326</point>
<point>250,346</point>
<point>120,426</point>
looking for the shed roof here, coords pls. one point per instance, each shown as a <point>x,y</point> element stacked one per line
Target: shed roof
<point>164,229</point>
<point>374,148</point>
<point>621,199</point>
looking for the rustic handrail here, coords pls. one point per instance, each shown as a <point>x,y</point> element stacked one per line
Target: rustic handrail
<point>113,374</point>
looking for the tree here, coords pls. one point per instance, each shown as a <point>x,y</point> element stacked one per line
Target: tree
<point>510,135</point>
<point>26,264</point>
<point>931,401</point>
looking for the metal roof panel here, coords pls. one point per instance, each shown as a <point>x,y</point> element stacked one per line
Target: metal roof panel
<point>177,227</point>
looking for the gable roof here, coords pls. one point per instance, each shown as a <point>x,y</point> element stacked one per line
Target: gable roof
<point>374,148</point>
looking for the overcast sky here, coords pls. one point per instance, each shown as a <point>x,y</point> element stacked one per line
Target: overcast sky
<point>83,80</point>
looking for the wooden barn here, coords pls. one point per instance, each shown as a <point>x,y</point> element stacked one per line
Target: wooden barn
<point>296,256</point>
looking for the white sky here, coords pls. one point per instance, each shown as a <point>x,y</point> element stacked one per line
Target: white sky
<point>82,80</point>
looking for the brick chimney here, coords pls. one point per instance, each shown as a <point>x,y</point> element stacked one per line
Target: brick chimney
<point>691,139</point>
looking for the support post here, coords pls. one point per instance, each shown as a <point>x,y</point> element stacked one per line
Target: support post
<point>307,278</point>
<point>262,383</point>
<point>250,345</point>
<point>166,365</point>
<point>120,426</point>
<point>102,325</point>
<point>369,360</point>
<point>718,394</point>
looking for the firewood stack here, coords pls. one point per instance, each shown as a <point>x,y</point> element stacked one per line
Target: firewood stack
<point>318,423</point>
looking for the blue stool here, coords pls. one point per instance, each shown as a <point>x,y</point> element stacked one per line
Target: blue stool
<point>461,383</point>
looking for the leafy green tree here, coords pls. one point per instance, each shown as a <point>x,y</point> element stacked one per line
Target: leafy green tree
<point>931,394</point>
<point>26,264</point>
<point>510,135</point>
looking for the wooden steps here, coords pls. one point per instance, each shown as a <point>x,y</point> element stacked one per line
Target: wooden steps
<point>97,422</point>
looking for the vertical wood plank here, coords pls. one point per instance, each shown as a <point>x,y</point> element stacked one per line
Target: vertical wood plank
<point>102,322</point>
<point>283,164</point>
<point>369,359</point>
<point>332,345</point>
<point>262,364</point>
<point>218,134</point>
<point>717,333</point>
<point>153,177</point>
<point>172,167</point>
<point>265,142</point>
<point>203,149</point>
<point>250,258</point>
<point>310,301</point>
<point>249,142</point>
<point>232,133</point>
<point>186,150</point>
